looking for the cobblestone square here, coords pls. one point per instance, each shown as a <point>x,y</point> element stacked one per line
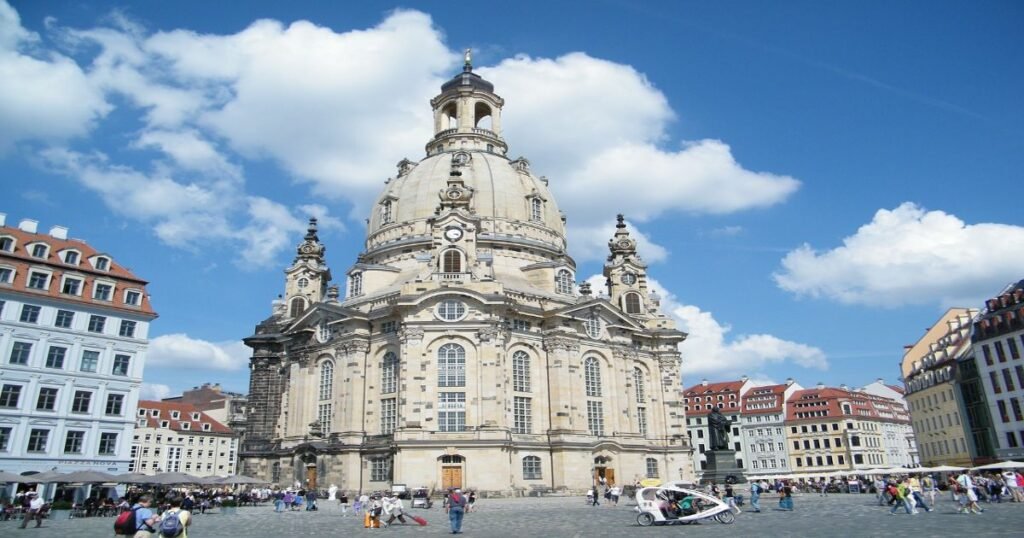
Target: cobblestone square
<point>835,515</point>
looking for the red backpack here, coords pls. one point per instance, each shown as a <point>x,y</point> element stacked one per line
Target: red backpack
<point>126,524</point>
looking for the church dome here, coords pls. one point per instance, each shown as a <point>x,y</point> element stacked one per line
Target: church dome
<point>468,152</point>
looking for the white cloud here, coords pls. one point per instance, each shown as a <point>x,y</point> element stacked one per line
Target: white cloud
<point>337,110</point>
<point>908,255</point>
<point>44,95</point>
<point>154,391</point>
<point>597,128</point>
<point>182,351</point>
<point>708,352</point>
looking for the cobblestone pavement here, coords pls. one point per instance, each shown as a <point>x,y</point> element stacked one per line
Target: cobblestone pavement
<point>835,515</point>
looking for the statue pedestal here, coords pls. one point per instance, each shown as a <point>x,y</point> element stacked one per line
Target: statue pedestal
<point>721,465</point>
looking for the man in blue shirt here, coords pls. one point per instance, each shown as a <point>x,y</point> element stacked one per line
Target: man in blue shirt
<point>145,519</point>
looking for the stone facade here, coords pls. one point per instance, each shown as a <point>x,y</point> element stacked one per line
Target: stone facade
<point>463,353</point>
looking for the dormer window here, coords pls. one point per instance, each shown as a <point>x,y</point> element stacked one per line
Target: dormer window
<point>38,280</point>
<point>6,275</point>
<point>101,263</point>
<point>71,286</point>
<point>206,427</point>
<point>195,416</point>
<point>71,257</point>
<point>355,285</point>
<point>155,413</point>
<point>40,250</point>
<point>165,423</point>
<point>102,292</point>
<point>175,415</point>
<point>536,210</point>
<point>132,297</point>
<point>186,426</point>
<point>7,244</point>
<point>387,211</point>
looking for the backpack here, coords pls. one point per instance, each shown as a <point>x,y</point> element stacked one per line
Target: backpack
<point>125,524</point>
<point>170,525</point>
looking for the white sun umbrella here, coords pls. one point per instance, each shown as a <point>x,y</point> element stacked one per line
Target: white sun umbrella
<point>6,477</point>
<point>87,477</point>
<point>1001,465</point>
<point>241,479</point>
<point>942,469</point>
<point>174,479</point>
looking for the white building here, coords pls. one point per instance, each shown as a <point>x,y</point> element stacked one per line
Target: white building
<point>998,339</point>
<point>763,428</point>
<point>898,438</point>
<point>463,353</point>
<point>698,401</point>
<point>173,437</point>
<point>73,339</point>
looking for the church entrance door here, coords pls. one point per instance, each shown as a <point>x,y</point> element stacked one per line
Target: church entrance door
<point>451,477</point>
<point>311,477</point>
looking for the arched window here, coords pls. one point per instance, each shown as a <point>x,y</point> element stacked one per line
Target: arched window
<point>298,306</point>
<point>385,212</point>
<point>531,468</point>
<point>632,301</point>
<point>638,382</point>
<point>563,282</point>
<point>536,209</point>
<point>389,373</point>
<point>520,371</point>
<point>482,116</point>
<point>450,116</point>
<point>592,376</point>
<point>355,286</point>
<point>652,468</point>
<point>451,261</point>
<point>451,366</point>
<point>326,380</point>
<point>593,325</point>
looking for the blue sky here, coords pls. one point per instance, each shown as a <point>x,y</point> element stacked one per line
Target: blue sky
<point>815,182</point>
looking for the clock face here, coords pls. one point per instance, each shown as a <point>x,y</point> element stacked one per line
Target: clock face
<point>454,194</point>
<point>453,234</point>
<point>629,279</point>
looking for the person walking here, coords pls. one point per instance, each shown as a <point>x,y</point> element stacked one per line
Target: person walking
<point>616,491</point>
<point>880,492</point>
<point>899,496</point>
<point>786,499</point>
<point>176,520</point>
<point>967,491</point>
<point>456,508</point>
<point>145,518</point>
<point>755,496</point>
<point>343,500</point>
<point>394,509</point>
<point>35,510</point>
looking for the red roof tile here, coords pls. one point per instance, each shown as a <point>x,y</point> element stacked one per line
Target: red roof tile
<point>184,416</point>
<point>22,261</point>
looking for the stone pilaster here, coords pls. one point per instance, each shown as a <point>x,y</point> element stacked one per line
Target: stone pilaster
<point>561,353</point>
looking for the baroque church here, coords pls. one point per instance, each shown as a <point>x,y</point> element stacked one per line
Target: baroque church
<point>463,353</point>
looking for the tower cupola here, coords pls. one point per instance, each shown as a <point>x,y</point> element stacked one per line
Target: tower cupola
<point>467,114</point>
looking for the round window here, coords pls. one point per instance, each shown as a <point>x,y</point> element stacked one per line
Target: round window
<point>303,282</point>
<point>451,310</point>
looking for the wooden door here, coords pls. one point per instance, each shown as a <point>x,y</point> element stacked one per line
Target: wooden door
<point>310,477</point>
<point>451,477</point>
<point>609,476</point>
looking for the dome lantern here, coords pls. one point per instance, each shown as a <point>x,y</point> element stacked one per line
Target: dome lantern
<point>467,114</point>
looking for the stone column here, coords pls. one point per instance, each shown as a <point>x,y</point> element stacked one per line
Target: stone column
<point>411,379</point>
<point>490,371</point>
<point>562,404</point>
<point>350,417</point>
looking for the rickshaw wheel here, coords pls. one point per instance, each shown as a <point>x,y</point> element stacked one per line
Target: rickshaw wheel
<point>645,519</point>
<point>726,517</point>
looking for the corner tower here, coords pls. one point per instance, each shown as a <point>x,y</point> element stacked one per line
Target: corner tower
<point>306,280</point>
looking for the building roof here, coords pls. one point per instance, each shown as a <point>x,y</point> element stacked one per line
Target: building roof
<point>764,400</point>
<point>700,389</point>
<point>21,259</point>
<point>829,403</point>
<point>185,416</point>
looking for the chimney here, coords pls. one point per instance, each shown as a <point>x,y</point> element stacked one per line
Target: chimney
<point>880,380</point>
<point>704,382</point>
<point>28,225</point>
<point>844,387</point>
<point>59,232</point>
<point>820,385</point>
<point>789,381</point>
<point>3,219</point>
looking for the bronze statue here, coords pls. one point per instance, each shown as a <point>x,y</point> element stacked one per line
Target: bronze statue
<point>718,430</point>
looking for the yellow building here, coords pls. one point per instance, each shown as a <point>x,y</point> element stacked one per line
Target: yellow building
<point>930,372</point>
